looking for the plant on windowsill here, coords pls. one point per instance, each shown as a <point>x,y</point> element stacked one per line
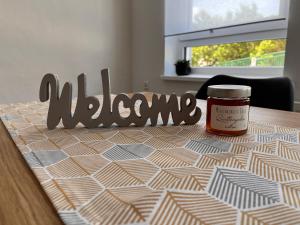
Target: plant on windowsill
<point>183,67</point>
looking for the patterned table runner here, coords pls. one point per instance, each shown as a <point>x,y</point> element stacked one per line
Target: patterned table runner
<point>161,175</point>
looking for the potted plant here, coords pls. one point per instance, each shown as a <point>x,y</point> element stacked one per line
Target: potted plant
<point>183,67</point>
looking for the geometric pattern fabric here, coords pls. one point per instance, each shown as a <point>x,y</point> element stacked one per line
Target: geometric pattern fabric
<point>162,174</point>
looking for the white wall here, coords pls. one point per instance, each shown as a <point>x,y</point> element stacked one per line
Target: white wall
<point>65,37</point>
<point>148,49</point>
<point>68,37</point>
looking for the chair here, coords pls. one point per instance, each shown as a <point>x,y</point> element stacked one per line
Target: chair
<point>273,93</point>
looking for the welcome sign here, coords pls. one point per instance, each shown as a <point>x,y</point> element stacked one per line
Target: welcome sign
<point>60,107</point>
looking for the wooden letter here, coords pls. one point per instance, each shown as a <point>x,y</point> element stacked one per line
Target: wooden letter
<point>186,109</point>
<point>105,116</point>
<point>119,120</point>
<point>144,109</point>
<point>60,107</point>
<point>87,106</point>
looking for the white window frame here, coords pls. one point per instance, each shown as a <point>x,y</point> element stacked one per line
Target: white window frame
<point>274,29</point>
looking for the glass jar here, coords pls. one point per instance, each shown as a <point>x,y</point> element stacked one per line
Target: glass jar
<point>228,109</point>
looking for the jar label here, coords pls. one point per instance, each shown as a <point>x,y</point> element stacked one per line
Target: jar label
<point>229,118</point>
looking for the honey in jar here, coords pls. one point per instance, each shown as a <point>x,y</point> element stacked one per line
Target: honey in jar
<point>228,109</point>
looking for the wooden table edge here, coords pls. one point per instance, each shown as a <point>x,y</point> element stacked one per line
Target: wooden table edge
<point>23,201</point>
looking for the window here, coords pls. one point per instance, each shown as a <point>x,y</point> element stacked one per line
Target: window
<point>264,53</point>
<point>237,37</point>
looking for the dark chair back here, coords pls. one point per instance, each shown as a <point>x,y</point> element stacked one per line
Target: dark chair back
<point>273,93</point>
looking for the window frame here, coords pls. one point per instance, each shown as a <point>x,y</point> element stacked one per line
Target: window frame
<point>272,29</point>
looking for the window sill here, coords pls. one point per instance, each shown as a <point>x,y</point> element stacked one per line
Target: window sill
<point>201,77</point>
<point>191,77</point>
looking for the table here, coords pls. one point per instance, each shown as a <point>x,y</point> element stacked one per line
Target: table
<point>22,199</point>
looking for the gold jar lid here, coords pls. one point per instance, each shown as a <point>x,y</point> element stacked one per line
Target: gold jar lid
<point>229,91</point>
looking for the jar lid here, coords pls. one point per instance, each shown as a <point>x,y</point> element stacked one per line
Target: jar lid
<point>229,91</point>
